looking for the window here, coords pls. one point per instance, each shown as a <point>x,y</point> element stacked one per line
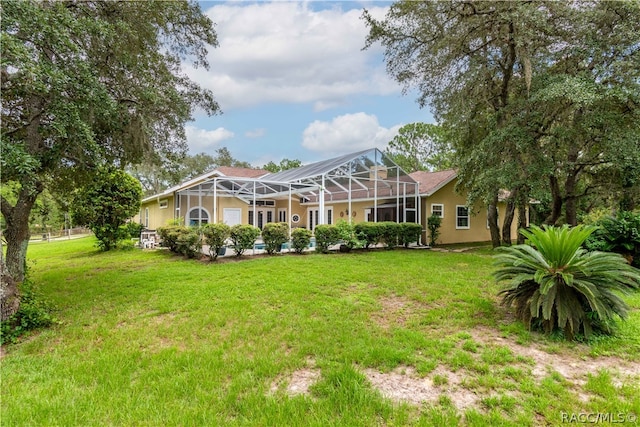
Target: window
<point>282,215</point>
<point>164,204</point>
<point>263,203</point>
<point>146,217</point>
<point>437,209</point>
<point>462,217</point>
<point>198,216</point>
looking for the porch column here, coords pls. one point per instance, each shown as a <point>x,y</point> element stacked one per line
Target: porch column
<point>350,215</point>
<point>215,200</point>
<point>398,195</point>
<point>200,205</point>
<point>321,203</point>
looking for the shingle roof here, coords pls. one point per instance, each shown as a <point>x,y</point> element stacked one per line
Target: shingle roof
<point>242,172</point>
<point>430,182</point>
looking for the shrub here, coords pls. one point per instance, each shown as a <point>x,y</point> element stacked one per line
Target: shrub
<point>368,232</point>
<point>243,237</point>
<point>433,224</point>
<point>557,285</point>
<point>134,229</point>
<point>275,234</point>
<point>189,242</point>
<point>389,232</point>
<point>409,233</point>
<point>169,236</point>
<point>346,234</point>
<point>34,312</point>
<point>181,240</point>
<point>215,236</point>
<point>105,203</point>
<point>300,239</point>
<point>620,235</point>
<point>326,235</point>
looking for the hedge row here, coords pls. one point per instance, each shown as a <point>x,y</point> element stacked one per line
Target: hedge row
<point>367,234</point>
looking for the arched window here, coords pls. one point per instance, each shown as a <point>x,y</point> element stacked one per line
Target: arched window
<point>198,216</point>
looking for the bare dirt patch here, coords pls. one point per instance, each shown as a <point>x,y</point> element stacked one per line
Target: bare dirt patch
<point>574,366</point>
<point>298,382</point>
<point>404,384</point>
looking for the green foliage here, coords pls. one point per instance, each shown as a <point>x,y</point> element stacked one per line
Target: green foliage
<point>433,224</point>
<point>409,232</point>
<point>620,235</point>
<point>34,312</point>
<point>285,164</point>
<point>134,229</point>
<point>181,239</point>
<point>557,285</point>
<point>300,239</point>
<point>189,242</point>
<point>347,235</point>
<point>389,233</point>
<point>106,203</point>
<point>420,146</point>
<point>243,237</point>
<point>93,84</point>
<point>368,232</point>
<point>326,235</point>
<point>275,234</point>
<point>215,235</point>
<point>169,236</point>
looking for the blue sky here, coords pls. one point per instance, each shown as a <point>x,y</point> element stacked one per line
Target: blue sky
<point>293,82</point>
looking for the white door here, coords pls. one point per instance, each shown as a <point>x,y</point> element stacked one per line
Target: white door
<point>232,216</point>
<point>313,216</point>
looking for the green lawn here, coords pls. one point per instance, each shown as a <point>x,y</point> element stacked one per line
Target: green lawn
<point>147,338</point>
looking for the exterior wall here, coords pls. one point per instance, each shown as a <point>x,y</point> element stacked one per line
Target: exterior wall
<point>477,231</point>
<point>157,216</point>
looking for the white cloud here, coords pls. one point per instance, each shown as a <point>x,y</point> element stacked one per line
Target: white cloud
<point>202,140</point>
<point>347,133</point>
<point>286,52</point>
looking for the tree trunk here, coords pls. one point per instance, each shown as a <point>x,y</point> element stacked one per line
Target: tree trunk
<point>556,201</point>
<point>17,237</point>
<point>522,216</point>
<point>508,217</point>
<point>492,218</point>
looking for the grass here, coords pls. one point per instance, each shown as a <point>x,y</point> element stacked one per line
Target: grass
<point>150,339</point>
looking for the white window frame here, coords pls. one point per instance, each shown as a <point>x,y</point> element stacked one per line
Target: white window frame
<point>441,209</point>
<point>146,217</point>
<point>163,204</point>
<point>282,215</point>
<point>468,217</point>
<point>188,218</point>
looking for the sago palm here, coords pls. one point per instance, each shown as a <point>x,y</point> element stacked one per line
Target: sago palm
<point>554,283</point>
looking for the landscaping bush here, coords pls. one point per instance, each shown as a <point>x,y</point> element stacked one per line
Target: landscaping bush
<point>389,232</point>
<point>215,236</point>
<point>557,285</point>
<point>347,236</point>
<point>409,233</point>
<point>275,234</point>
<point>181,240</point>
<point>169,236</point>
<point>368,232</point>
<point>189,242</point>
<point>300,239</point>
<point>326,235</point>
<point>620,235</point>
<point>34,312</point>
<point>433,224</point>
<point>134,229</point>
<point>243,237</point>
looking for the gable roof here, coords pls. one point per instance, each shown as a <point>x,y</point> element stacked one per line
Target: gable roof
<point>227,171</point>
<point>430,182</point>
<point>234,172</point>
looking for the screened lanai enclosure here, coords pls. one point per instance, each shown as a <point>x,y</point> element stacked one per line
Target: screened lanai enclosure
<point>362,186</point>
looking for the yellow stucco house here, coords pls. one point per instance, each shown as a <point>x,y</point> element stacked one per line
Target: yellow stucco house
<point>361,186</point>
